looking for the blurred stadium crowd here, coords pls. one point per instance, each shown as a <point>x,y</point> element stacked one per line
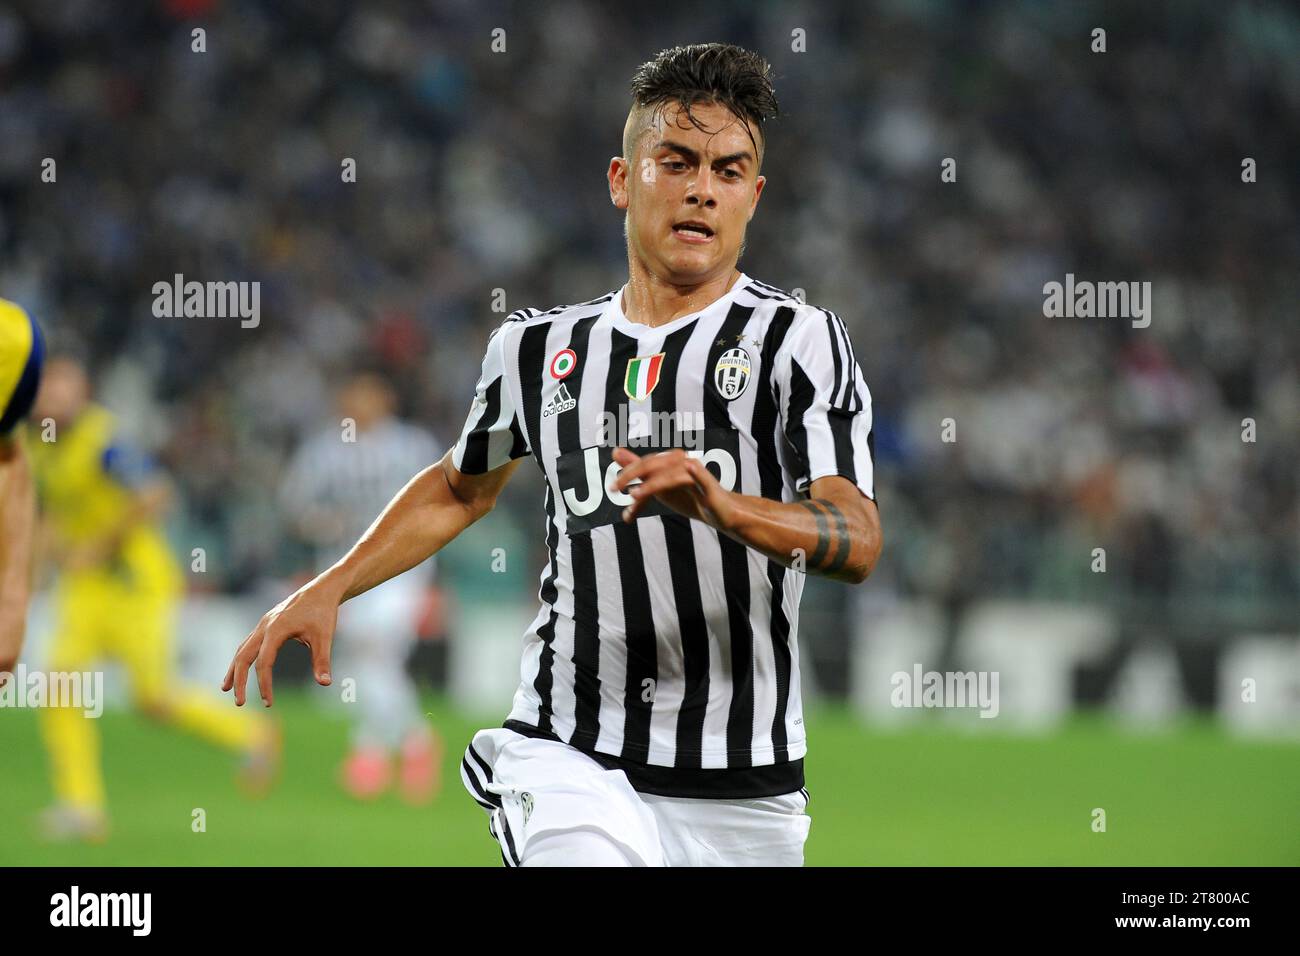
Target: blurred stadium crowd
<point>480,170</point>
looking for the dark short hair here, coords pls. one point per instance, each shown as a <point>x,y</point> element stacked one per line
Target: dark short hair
<point>705,73</point>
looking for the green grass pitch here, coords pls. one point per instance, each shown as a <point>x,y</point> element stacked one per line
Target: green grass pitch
<point>928,796</point>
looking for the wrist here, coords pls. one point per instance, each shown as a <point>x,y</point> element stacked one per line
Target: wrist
<point>14,596</point>
<point>336,582</point>
<point>731,516</point>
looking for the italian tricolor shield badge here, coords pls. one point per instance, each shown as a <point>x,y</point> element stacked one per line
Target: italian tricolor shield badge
<point>642,376</point>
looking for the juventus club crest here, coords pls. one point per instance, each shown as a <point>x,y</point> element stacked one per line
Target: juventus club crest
<point>731,374</point>
<point>642,376</point>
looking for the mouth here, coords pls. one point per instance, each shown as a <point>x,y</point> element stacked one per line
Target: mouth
<point>693,231</point>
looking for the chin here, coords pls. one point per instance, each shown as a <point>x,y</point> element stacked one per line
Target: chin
<point>693,260</point>
<point>688,273</point>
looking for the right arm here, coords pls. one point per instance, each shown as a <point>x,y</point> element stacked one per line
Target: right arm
<point>434,507</point>
<point>17,533</point>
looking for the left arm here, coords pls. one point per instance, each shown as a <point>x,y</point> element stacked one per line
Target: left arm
<point>825,413</point>
<point>147,503</point>
<point>149,493</point>
<point>835,532</point>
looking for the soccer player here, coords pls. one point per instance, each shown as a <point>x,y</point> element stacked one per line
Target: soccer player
<point>116,592</point>
<point>658,720</point>
<point>21,354</point>
<point>331,492</point>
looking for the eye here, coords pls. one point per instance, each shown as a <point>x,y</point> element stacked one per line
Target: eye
<point>735,173</point>
<point>675,162</point>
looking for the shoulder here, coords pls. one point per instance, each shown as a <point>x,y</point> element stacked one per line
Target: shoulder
<point>528,317</point>
<point>795,318</point>
<point>21,354</point>
<point>127,463</point>
<point>507,335</point>
<point>16,328</point>
<point>763,292</point>
<point>810,328</point>
<point>97,424</point>
<point>121,457</point>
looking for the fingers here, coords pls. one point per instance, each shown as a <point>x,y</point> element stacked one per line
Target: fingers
<point>238,676</point>
<point>705,484</point>
<point>701,475</point>
<point>647,489</point>
<point>263,671</point>
<point>657,473</point>
<point>636,466</point>
<point>633,467</point>
<point>229,681</point>
<point>265,666</point>
<point>320,659</point>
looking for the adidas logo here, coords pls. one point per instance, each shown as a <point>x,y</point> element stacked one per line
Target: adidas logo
<point>561,401</point>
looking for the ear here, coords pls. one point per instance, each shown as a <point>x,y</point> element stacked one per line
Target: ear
<point>617,175</point>
<point>759,183</point>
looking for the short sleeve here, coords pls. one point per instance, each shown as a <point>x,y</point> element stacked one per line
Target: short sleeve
<point>492,435</point>
<point>824,403</point>
<point>22,352</point>
<point>128,464</point>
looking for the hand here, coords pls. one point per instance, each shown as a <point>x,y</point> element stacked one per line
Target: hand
<point>307,616</point>
<point>681,482</point>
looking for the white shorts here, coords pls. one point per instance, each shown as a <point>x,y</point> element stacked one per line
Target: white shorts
<point>550,804</point>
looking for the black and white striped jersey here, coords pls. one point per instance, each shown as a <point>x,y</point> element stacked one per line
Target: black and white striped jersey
<point>663,647</point>
<point>352,476</point>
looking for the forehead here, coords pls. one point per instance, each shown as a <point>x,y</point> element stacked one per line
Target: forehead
<point>365,385</point>
<point>723,133</point>
<point>64,368</point>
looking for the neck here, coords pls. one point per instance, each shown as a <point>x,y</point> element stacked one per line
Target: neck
<point>653,301</point>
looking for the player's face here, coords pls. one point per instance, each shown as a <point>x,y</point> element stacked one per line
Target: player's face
<point>366,400</point>
<point>681,173</point>
<point>63,392</point>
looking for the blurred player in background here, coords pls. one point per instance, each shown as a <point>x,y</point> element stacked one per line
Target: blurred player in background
<point>337,482</point>
<point>21,353</point>
<point>117,589</point>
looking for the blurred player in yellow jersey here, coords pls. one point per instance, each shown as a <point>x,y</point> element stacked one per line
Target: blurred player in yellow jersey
<point>21,352</point>
<point>116,594</point>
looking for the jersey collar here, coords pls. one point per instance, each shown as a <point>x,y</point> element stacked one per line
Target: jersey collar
<point>614,312</point>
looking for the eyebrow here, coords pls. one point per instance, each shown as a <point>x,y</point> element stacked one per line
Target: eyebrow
<point>695,156</point>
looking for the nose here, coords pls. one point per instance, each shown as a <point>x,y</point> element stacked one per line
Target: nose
<point>700,191</point>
